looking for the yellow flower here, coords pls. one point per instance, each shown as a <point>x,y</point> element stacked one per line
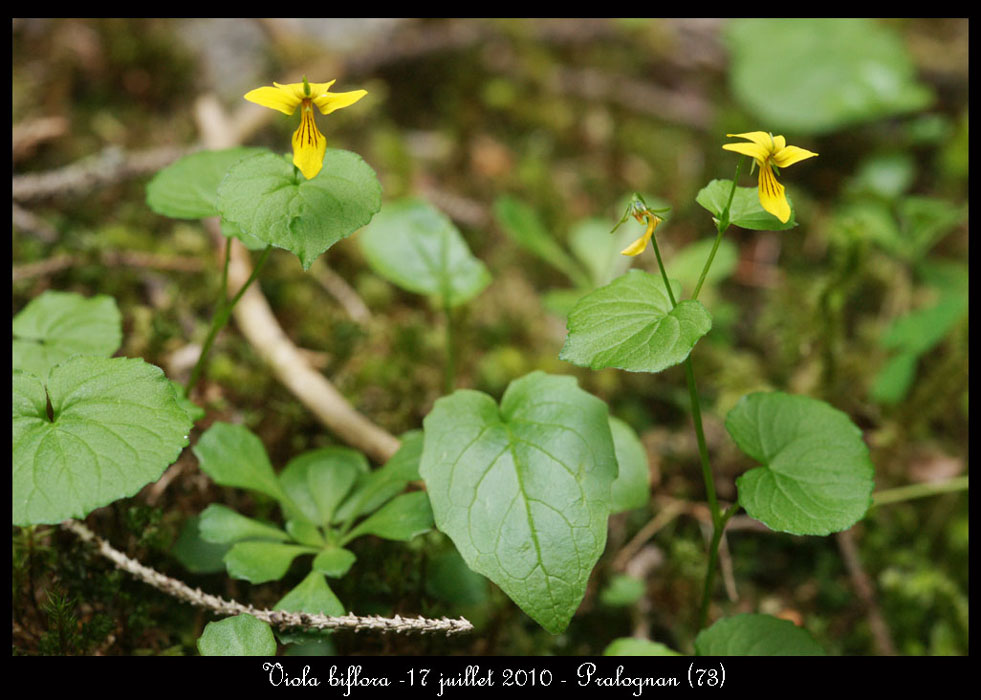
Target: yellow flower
<point>640,245</point>
<point>309,145</point>
<point>769,150</point>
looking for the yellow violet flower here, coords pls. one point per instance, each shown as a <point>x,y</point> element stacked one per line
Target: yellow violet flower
<point>642,213</point>
<point>309,145</point>
<point>640,245</point>
<point>769,150</point>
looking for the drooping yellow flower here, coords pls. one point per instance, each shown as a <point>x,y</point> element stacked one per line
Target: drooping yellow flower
<point>638,209</point>
<point>769,150</point>
<point>640,245</point>
<point>309,145</point>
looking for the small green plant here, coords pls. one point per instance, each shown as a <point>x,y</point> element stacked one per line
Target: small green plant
<point>328,498</point>
<point>815,476</point>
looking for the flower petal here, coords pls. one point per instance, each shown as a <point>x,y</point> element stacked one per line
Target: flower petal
<point>761,138</point>
<point>330,101</point>
<point>637,247</point>
<point>640,245</point>
<point>790,155</point>
<point>320,88</point>
<point>772,197</point>
<point>753,150</point>
<point>278,98</point>
<point>309,145</point>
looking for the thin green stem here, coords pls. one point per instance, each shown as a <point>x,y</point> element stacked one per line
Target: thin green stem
<point>708,264</point>
<point>721,225</point>
<point>449,366</point>
<point>718,528</point>
<point>664,272</point>
<point>696,410</point>
<point>719,519</point>
<point>223,292</point>
<point>222,314</point>
<point>696,415</point>
<point>908,493</point>
<point>724,221</point>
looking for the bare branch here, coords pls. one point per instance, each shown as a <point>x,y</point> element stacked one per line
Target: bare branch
<point>277,618</point>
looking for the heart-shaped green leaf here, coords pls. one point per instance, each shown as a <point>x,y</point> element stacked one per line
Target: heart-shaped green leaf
<point>188,187</point>
<point>755,635</point>
<point>524,490</point>
<point>114,426</point>
<point>627,646</point>
<point>242,635</point>
<point>816,476</point>
<point>629,324</point>
<point>632,488</point>
<point>810,75</point>
<point>746,210</point>
<point>58,325</point>
<point>269,199</point>
<point>416,247</point>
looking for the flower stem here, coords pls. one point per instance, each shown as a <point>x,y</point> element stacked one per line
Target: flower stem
<point>223,313</point>
<point>696,411</point>
<point>664,272</point>
<point>908,493</point>
<point>719,519</point>
<point>717,529</point>
<point>449,365</point>
<point>721,225</point>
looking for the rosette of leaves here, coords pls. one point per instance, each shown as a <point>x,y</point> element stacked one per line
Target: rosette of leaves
<point>328,497</point>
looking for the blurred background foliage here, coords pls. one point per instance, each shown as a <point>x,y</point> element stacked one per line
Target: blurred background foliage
<point>507,125</point>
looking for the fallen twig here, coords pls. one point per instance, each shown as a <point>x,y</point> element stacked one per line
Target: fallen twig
<point>277,618</point>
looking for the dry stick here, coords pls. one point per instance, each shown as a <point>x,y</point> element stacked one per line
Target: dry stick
<point>257,323</point>
<point>27,222</point>
<point>277,618</point>
<point>27,136</point>
<point>866,592</point>
<point>346,296</point>
<point>668,512</point>
<point>111,165</point>
<point>725,567</point>
<point>127,258</point>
